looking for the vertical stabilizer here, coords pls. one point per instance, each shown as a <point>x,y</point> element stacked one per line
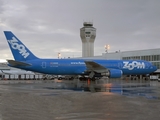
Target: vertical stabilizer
<point>19,50</point>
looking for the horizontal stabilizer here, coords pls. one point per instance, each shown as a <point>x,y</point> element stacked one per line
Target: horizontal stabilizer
<point>17,63</point>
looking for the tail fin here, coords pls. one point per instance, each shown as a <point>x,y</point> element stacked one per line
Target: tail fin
<point>19,50</point>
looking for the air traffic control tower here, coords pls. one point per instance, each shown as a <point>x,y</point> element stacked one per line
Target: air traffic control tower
<point>88,34</point>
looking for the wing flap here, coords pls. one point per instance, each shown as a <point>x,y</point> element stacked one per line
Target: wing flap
<point>17,63</point>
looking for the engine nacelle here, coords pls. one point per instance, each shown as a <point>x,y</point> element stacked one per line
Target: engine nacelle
<point>113,73</point>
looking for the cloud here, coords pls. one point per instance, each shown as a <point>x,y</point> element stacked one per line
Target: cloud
<point>51,26</point>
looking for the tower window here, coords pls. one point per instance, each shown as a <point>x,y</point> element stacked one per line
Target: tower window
<point>87,35</point>
<point>87,32</point>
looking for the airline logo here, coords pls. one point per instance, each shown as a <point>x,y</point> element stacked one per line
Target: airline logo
<point>22,50</point>
<point>134,64</point>
<point>77,63</point>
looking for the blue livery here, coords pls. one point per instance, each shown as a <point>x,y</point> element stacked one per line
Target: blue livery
<point>25,59</point>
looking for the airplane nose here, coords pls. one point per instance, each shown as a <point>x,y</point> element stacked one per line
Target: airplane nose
<point>155,68</point>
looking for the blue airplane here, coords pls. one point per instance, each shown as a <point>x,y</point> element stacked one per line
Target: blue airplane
<point>25,59</point>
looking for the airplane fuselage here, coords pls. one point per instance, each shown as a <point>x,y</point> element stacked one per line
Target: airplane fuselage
<point>78,66</point>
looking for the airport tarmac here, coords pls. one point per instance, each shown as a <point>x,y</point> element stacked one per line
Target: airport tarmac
<point>50,100</point>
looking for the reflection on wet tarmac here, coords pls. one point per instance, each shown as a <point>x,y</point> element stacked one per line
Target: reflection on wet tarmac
<point>133,88</point>
<point>66,100</point>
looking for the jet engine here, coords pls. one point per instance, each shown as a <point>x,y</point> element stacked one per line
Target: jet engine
<point>113,73</point>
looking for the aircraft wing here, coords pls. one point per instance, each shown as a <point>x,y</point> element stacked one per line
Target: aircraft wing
<point>17,63</point>
<point>93,66</point>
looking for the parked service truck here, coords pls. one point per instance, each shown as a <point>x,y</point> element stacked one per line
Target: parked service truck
<point>6,77</point>
<point>16,77</point>
<point>31,77</point>
<point>153,77</point>
<point>36,77</point>
<point>12,77</point>
<point>40,77</point>
<point>27,77</point>
<point>22,77</point>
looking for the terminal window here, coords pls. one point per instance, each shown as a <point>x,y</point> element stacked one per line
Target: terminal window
<point>157,64</point>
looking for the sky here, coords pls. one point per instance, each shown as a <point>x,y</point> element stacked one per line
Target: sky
<point>49,27</point>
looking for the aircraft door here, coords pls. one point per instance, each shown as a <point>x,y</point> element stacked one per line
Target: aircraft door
<point>120,65</point>
<point>43,64</point>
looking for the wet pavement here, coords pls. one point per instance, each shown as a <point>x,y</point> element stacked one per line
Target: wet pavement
<point>59,100</point>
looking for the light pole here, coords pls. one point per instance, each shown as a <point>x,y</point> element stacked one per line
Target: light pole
<point>59,55</point>
<point>107,47</point>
